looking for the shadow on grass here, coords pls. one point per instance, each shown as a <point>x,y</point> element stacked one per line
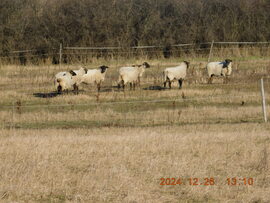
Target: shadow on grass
<point>157,87</point>
<point>46,95</point>
<point>109,89</point>
<point>127,88</point>
<point>104,89</point>
<point>54,94</point>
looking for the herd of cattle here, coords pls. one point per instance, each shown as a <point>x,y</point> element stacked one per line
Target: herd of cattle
<point>69,80</point>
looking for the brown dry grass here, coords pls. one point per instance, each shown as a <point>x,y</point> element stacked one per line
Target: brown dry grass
<point>126,164</point>
<point>91,151</point>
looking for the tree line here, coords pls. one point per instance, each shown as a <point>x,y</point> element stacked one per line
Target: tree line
<point>44,24</point>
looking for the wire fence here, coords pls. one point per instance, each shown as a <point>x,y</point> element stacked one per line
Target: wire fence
<point>128,114</point>
<point>192,101</point>
<point>133,102</point>
<point>77,54</point>
<point>181,110</point>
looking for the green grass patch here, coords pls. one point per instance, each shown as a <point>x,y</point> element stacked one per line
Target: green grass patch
<point>124,123</point>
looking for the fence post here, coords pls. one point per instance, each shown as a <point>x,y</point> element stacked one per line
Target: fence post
<point>13,115</point>
<point>263,101</point>
<point>60,54</point>
<point>210,53</point>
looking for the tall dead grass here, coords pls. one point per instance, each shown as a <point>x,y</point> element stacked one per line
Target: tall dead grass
<point>90,151</point>
<point>126,164</point>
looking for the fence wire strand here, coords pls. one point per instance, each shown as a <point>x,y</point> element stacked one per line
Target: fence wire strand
<point>144,49</point>
<point>133,102</point>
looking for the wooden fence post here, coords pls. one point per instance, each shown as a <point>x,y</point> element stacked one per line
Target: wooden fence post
<point>210,53</point>
<point>13,116</point>
<point>60,54</point>
<point>263,101</point>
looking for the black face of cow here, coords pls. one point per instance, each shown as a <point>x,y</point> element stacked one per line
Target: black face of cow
<point>146,65</point>
<point>85,70</point>
<point>103,69</point>
<point>186,62</point>
<point>226,63</point>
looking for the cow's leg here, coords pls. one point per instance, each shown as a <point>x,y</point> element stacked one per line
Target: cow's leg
<point>170,84</point>
<point>139,81</point>
<point>76,89</point>
<point>123,84</point>
<point>180,83</point>
<point>210,80</point>
<point>98,87</point>
<point>59,89</point>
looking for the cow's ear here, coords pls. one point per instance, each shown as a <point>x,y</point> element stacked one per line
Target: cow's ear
<point>72,73</point>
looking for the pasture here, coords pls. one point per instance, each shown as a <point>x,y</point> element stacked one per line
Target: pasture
<point>116,145</point>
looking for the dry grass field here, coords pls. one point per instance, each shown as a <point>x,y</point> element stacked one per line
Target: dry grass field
<point>116,146</point>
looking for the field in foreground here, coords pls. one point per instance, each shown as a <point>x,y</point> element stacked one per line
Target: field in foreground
<point>115,146</point>
<point>126,164</point>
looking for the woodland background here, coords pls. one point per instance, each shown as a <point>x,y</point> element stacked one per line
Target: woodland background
<point>44,24</point>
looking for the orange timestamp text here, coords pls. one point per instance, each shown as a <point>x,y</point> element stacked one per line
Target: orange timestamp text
<point>208,181</point>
